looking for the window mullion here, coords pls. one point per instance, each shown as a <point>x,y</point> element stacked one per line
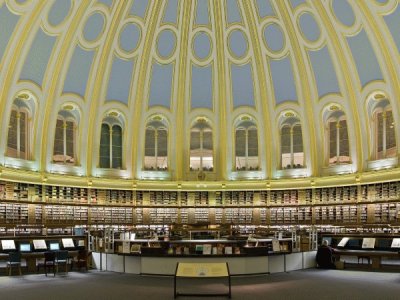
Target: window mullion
<point>18,135</point>
<point>337,142</point>
<point>291,148</point>
<point>111,145</point>
<point>156,149</point>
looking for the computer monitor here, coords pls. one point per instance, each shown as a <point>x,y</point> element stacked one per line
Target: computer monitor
<point>354,243</point>
<point>79,231</point>
<point>8,245</point>
<point>25,247</point>
<point>54,246</point>
<point>39,245</point>
<point>68,243</point>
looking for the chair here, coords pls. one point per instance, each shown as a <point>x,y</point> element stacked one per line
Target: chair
<point>14,260</point>
<point>325,259</point>
<point>62,259</point>
<point>49,262</point>
<point>82,259</point>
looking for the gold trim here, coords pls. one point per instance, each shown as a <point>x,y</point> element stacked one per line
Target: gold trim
<point>221,154</point>
<point>348,85</point>
<point>97,88</point>
<point>305,92</point>
<point>138,99</point>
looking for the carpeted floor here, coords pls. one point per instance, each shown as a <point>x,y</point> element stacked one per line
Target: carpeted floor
<point>305,284</point>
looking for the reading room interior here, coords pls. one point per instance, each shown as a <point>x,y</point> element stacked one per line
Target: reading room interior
<point>203,140</point>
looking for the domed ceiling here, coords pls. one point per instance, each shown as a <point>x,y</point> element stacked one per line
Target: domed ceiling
<point>236,72</point>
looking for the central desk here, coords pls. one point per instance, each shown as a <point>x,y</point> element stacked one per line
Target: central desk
<point>202,270</point>
<point>374,255</point>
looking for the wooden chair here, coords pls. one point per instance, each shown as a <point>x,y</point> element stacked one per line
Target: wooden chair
<point>14,260</point>
<point>82,259</point>
<point>62,259</point>
<point>49,262</point>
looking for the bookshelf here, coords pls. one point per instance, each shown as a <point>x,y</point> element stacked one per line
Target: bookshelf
<point>64,206</point>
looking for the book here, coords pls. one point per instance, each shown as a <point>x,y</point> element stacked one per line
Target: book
<point>368,243</point>
<point>343,242</point>
<point>396,243</point>
<point>207,249</point>
<point>135,248</point>
<point>275,245</point>
<point>126,247</point>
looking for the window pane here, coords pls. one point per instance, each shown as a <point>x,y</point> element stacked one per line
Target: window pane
<point>194,140</point>
<point>70,143</point>
<point>285,140</point>
<point>253,142</point>
<point>162,139</point>
<point>116,147</point>
<point>379,134</point>
<point>149,148</point>
<point>105,146</point>
<point>240,163</point>
<point>252,161</point>
<point>297,139</point>
<point>12,135</point>
<point>162,151</point>
<point>207,140</point>
<point>23,134</point>
<point>59,142</point>
<point>240,142</point>
<point>344,150</point>
<point>285,147</point>
<point>194,163</point>
<point>390,135</point>
<point>332,142</point>
<point>298,155</point>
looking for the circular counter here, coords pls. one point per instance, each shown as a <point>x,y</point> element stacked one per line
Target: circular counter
<point>238,265</point>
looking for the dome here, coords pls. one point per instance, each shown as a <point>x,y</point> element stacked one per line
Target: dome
<point>268,93</point>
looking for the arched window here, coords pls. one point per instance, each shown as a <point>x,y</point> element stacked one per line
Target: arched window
<point>292,154</point>
<point>385,135</point>
<point>337,137</point>
<point>111,143</point>
<point>64,150</point>
<point>156,145</point>
<point>246,145</point>
<point>19,127</point>
<point>201,146</point>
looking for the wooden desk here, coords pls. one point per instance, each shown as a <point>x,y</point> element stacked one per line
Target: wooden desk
<point>30,258</point>
<point>374,255</point>
<point>202,270</point>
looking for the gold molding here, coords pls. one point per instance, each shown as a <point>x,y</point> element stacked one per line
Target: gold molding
<point>261,74</point>
<point>221,95</point>
<point>348,83</point>
<point>97,87</point>
<point>146,55</point>
<point>305,93</point>
<point>181,129</point>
